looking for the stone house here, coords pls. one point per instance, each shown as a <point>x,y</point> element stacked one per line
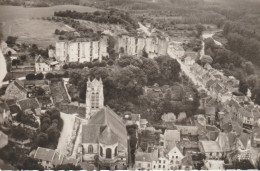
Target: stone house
<point>30,104</point>
<point>146,161</point>
<point>210,114</point>
<point>213,165</point>
<point>49,158</point>
<point>45,65</point>
<point>211,149</point>
<point>187,163</point>
<point>16,90</point>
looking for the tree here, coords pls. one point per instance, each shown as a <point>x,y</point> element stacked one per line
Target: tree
<point>15,62</point>
<point>151,69</point>
<point>38,91</point>
<point>11,40</point>
<point>243,165</point>
<point>200,28</point>
<point>42,139</point>
<point>206,59</point>
<point>243,87</point>
<point>65,66</point>
<point>49,76</point>
<point>32,164</point>
<point>67,167</point>
<point>30,77</point>
<point>39,76</point>
<point>23,57</point>
<point>53,134</point>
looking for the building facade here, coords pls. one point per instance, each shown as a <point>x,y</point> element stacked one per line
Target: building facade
<point>94,97</point>
<point>81,50</point>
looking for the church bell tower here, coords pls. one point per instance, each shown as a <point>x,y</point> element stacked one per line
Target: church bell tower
<point>94,97</point>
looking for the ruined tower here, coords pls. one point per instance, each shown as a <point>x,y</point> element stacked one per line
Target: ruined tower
<point>94,97</point>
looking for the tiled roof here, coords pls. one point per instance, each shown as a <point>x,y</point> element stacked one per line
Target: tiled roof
<point>44,154</point>
<point>210,146</point>
<point>57,159</point>
<point>108,118</point>
<point>210,110</point>
<point>108,137</point>
<point>19,84</point>
<point>29,104</point>
<point>3,139</point>
<point>187,160</point>
<point>146,157</point>
<point>90,133</point>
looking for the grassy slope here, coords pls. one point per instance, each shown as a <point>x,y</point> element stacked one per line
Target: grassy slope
<point>23,22</point>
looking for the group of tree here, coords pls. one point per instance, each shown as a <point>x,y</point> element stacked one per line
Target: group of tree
<point>234,64</point>
<point>32,76</point>
<point>132,132</point>
<point>11,41</point>
<point>112,16</point>
<point>75,65</point>
<point>27,118</point>
<point>51,126</point>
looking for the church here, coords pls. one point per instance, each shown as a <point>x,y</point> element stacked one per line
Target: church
<point>104,137</point>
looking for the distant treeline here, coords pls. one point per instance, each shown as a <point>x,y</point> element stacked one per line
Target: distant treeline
<point>112,17</point>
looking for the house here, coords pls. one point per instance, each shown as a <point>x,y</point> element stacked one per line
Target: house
<point>3,140</point>
<point>30,104</point>
<point>5,113</point>
<point>175,157</point>
<point>105,135</point>
<point>45,65</point>
<point>143,123</point>
<point>214,165</point>
<point>226,141</point>
<point>246,117</point>
<point>162,163</point>
<point>49,158</point>
<point>171,137</point>
<point>146,161</point>
<point>187,163</point>
<point>211,149</point>
<point>210,114</point>
<point>16,90</point>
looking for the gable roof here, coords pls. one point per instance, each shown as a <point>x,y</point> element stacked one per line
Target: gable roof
<point>108,137</point>
<point>147,157</point>
<point>44,154</point>
<point>107,117</point>
<point>3,139</point>
<point>20,85</point>
<point>210,146</point>
<point>187,160</point>
<point>29,104</point>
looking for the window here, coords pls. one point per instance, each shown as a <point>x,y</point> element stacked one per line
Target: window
<point>176,157</point>
<point>108,153</point>
<point>177,162</point>
<point>116,151</point>
<point>164,161</point>
<point>154,166</point>
<point>148,165</point>
<point>159,166</point>
<point>90,149</point>
<point>159,161</point>
<point>101,151</point>
<point>164,166</point>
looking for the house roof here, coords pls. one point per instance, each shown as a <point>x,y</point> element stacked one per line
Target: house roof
<point>3,139</point>
<point>106,117</point>
<point>20,85</point>
<point>210,110</point>
<point>187,160</point>
<point>108,137</point>
<point>210,83</point>
<point>44,154</point>
<point>57,159</point>
<point>146,157</point>
<point>210,146</point>
<point>244,138</point>
<point>214,164</point>
<point>90,133</point>
<point>245,112</point>
<point>29,104</point>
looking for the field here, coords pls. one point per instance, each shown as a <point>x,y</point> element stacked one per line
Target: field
<point>27,25</point>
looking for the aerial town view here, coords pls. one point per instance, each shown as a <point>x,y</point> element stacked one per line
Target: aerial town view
<point>129,84</point>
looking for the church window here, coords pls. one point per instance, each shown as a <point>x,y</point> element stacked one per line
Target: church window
<point>101,151</point>
<point>116,151</point>
<point>90,149</point>
<point>108,153</point>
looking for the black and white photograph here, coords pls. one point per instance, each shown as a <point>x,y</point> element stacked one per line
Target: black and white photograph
<point>130,85</point>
